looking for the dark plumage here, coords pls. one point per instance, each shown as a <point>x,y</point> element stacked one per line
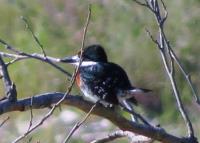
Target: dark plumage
<point>101,80</point>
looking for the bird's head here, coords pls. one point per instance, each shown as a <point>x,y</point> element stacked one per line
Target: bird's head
<point>90,54</point>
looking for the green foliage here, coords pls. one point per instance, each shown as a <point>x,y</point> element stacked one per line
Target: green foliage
<point>120,27</point>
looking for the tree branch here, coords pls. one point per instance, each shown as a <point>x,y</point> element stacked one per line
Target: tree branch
<point>48,99</point>
<point>9,86</point>
<point>77,125</point>
<point>33,35</point>
<point>19,55</point>
<point>4,121</point>
<point>168,57</point>
<point>72,80</point>
<point>119,134</point>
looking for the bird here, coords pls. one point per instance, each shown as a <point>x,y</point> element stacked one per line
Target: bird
<point>103,81</point>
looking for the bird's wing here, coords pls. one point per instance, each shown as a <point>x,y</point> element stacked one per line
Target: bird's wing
<point>104,79</point>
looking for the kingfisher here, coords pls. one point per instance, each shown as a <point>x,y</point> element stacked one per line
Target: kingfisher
<point>103,81</point>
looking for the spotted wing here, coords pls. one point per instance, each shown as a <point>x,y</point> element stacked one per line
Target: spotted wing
<point>105,79</point>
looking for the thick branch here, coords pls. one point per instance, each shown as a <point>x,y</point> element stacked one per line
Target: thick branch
<point>9,86</point>
<point>47,99</point>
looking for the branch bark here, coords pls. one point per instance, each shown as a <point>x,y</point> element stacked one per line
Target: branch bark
<point>119,134</point>
<point>47,99</point>
<point>9,86</point>
<point>19,55</point>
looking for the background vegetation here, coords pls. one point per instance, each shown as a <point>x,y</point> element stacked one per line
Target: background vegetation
<point>120,27</point>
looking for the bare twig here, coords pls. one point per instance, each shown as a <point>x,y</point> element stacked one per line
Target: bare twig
<point>168,59</point>
<point>31,111</point>
<point>33,55</point>
<point>4,121</point>
<point>10,89</point>
<point>61,100</point>
<point>140,3</point>
<point>153,39</point>
<point>119,134</point>
<point>76,71</point>
<point>32,33</point>
<point>42,120</point>
<point>110,137</point>
<point>186,75</point>
<point>77,125</point>
<point>19,55</point>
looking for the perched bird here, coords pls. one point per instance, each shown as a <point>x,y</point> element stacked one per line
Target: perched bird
<point>103,81</point>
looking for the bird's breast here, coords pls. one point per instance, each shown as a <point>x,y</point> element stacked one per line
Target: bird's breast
<point>78,79</point>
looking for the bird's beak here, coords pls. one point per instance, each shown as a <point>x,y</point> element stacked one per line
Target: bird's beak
<point>71,60</point>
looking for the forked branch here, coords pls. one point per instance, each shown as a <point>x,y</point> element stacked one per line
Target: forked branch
<point>168,57</point>
<point>9,86</point>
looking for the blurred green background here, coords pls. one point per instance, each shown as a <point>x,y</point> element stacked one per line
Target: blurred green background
<point>119,26</point>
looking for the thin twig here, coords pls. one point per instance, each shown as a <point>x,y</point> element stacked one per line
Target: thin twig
<point>12,61</point>
<point>76,72</point>
<point>119,134</point>
<point>61,100</point>
<point>31,111</point>
<point>4,121</point>
<point>33,35</point>
<point>140,3</point>
<point>167,58</point>
<point>23,55</point>
<point>33,55</point>
<point>152,38</point>
<point>110,137</point>
<point>165,12</point>
<point>186,75</point>
<point>78,124</point>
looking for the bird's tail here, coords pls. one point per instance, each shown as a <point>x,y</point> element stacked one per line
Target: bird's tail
<point>135,91</point>
<point>128,107</point>
<point>134,95</point>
